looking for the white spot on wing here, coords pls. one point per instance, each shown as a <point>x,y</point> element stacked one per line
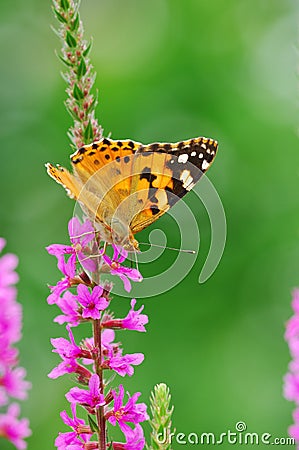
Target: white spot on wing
<point>203,146</point>
<point>205,164</point>
<point>200,155</point>
<point>186,178</point>
<point>191,186</point>
<point>183,158</point>
<point>193,153</point>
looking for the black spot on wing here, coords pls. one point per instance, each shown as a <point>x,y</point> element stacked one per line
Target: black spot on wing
<point>147,175</point>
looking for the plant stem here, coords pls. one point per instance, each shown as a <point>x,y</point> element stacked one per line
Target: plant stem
<point>99,371</point>
<point>80,76</point>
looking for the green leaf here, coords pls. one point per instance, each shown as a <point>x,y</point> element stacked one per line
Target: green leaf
<point>77,93</point>
<point>88,133</point>
<point>75,23</point>
<point>70,40</point>
<point>64,4</point>
<point>92,105</point>
<point>110,446</point>
<point>93,425</point>
<point>81,69</point>
<point>59,16</point>
<point>88,48</point>
<point>65,61</point>
<point>72,113</point>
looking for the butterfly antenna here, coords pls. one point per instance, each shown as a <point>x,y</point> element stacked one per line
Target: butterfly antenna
<point>136,259</point>
<point>191,252</point>
<point>84,234</point>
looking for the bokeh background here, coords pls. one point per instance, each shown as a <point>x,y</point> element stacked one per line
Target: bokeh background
<point>167,70</point>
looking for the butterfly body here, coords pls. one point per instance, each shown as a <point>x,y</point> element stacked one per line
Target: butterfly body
<point>125,186</point>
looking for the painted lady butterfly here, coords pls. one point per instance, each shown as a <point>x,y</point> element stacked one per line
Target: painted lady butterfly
<point>125,186</point>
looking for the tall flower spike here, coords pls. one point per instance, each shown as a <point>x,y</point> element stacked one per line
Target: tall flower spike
<point>12,383</point>
<point>80,76</point>
<point>161,418</point>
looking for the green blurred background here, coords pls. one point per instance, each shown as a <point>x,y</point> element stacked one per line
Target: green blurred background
<point>167,70</point>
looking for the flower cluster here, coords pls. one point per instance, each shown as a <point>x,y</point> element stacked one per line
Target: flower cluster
<point>291,380</point>
<point>12,383</point>
<point>82,299</point>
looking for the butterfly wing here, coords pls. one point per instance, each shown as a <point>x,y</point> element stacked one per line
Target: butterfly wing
<point>167,173</point>
<point>125,182</point>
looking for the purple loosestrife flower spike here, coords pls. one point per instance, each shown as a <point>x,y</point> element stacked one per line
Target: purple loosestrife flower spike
<point>12,382</point>
<point>100,351</point>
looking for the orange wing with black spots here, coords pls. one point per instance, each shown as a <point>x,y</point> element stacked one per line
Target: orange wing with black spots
<point>129,184</point>
<point>173,171</point>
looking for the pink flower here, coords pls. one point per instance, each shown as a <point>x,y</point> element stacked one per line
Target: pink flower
<point>124,273</point>
<point>291,387</point>
<point>14,429</point>
<point>123,365</point>
<point>14,383</point>
<point>80,434</point>
<point>8,263</point>
<point>292,326</point>
<point>131,412</point>
<point>134,439</point>
<point>91,399</point>
<point>66,366</point>
<point>69,352</point>
<point>81,235</point>
<point>68,268</point>
<point>133,321</point>
<point>69,306</point>
<point>67,349</point>
<point>93,302</point>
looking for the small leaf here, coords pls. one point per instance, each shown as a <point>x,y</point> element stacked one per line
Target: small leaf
<point>72,113</point>
<point>92,105</point>
<point>88,133</point>
<point>64,4</point>
<point>77,93</point>
<point>67,63</point>
<point>88,48</point>
<point>93,425</point>
<point>75,23</point>
<point>110,446</point>
<point>81,69</point>
<point>70,40</point>
<point>59,16</point>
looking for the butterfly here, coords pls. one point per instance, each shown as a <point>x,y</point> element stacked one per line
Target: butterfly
<point>125,186</point>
